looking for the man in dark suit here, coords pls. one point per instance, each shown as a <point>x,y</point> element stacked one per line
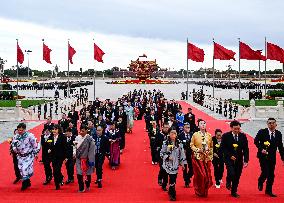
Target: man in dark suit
<point>63,122</point>
<point>46,146</point>
<point>160,138</point>
<point>101,150</point>
<point>151,117</point>
<point>70,138</point>
<point>218,160</point>
<point>190,118</point>
<point>267,141</point>
<point>236,154</point>
<point>120,113</point>
<point>73,128</point>
<point>185,137</point>
<point>96,103</point>
<point>48,125</point>
<point>74,117</point>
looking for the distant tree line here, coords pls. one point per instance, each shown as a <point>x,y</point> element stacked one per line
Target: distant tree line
<point>23,72</point>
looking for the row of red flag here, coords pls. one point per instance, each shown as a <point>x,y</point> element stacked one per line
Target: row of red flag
<point>274,52</point>
<point>98,53</point>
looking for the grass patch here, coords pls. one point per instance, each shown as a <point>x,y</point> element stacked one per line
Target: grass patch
<point>25,103</point>
<point>246,103</point>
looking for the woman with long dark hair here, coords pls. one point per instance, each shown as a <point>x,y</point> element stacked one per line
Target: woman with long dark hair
<point>202,147</point>
<point>58,154</point>
<point>172,154</point>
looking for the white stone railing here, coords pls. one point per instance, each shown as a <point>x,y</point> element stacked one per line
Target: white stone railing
<point>251,112</point>
<point>276,112</point>
<point>18,113</point>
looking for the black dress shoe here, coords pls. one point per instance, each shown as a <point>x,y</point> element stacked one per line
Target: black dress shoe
<point>160,182</point>
<point>69,181</point>
<point>16,180</point>
<point>100,184</point>
<point>172,198</point>
<point>235,195</point>
<point>270,194</point>
<point>229,187</point>
<point>29,184</point>
<point>46,182</point>
<point>164,188</point>
<point>57,187</point>
<point>260,186</point>
<point>24,185</point>
<point>186,185</point>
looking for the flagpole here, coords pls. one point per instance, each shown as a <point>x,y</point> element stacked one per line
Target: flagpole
<point>239,69</point>
<point>265,66</point>
<point>68,88</point>
<point>213,71</point>
<point>43,81</point>
<point>259,69</point>
<point>187,69</point>
<point>17,71</point>
<point>94,74</point>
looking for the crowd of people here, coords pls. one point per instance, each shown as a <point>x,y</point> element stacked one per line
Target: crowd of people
<point>51,85</point>
<point>176,139</point>
<point>235,85</point>
<point>218,105</point>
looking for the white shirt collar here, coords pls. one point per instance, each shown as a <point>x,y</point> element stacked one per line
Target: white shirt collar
<point>270,132</point>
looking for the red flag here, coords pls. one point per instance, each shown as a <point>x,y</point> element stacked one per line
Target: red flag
<point>194,53</point>
<point>246,52</point>
<point>260,56</point>
<point>98,53</point>
<point>71,52</point>
<point>274,52</point>
<point>222,53</point>
<point>46,53</point>
<point>20,54</point>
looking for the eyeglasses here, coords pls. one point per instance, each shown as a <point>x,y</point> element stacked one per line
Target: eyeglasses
<point>271,123</point>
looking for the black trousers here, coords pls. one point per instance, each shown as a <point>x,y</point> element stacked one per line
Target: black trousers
<point>70,168</point>
<point>188,170</point>
<point>267,173</point>
<point>81,181</point>
<point>58,177</point>
<point>160,174</point>
<point>122,141</point>
<point>99,162</point>
<point>47,169</point>
<point>154,154</point>
<point>218,170</point>
<point>171,178</point>
<point>225,113</point>
<point>234,174</point>
<point>16,168</point>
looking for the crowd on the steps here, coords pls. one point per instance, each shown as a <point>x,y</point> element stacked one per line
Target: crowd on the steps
<point>176,139</point>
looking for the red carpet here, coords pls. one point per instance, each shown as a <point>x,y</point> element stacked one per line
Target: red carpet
<point>136,179</point>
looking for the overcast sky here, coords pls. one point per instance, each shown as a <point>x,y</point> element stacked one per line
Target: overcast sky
<point>127,28</point>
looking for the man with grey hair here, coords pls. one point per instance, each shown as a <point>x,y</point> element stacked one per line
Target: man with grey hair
<point>267,141</point>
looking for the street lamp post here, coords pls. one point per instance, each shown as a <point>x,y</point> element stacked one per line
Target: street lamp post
<point>28,53</point>
<point>2,63</point>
